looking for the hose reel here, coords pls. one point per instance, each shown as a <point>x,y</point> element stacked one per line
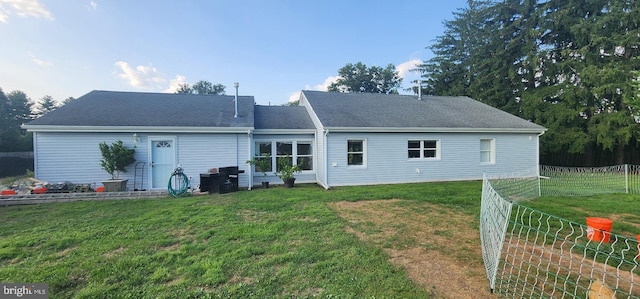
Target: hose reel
<point>178,183</point>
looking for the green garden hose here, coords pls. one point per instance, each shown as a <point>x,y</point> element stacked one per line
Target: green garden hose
<point>181,182</point>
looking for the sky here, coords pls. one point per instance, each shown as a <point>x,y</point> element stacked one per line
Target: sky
<point>272,48</point>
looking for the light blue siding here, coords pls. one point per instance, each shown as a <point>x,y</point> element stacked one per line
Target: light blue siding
<point>76,157</point>
<point>197,153</point>
<point>387,161</point>
<point>321,160</point>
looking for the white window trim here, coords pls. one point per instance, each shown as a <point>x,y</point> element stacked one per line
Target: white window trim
<point>422,148</point>
<point>364,152</point>
<point>492,151</point>
<point>294,156</point>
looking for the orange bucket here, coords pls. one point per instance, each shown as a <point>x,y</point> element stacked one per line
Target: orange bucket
<point>41,190</point>
<point>8,192</point>
<point>599,229</point>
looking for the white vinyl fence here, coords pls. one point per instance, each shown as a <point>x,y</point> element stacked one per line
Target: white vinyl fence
<point>531,254</point>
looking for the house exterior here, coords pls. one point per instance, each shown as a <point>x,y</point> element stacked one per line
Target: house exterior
<point>337,139</point>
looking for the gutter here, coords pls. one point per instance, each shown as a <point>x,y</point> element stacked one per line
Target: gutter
<point>434,130</point>
<point>133,129</point>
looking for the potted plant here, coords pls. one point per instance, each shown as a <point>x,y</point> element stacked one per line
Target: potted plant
<point>115,158</point>
<point>286,171</point>
<point>262,164</point>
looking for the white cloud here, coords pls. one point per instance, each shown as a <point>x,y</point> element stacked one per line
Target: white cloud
<point>94,5</point>
<point>324,86</point>
<point>24,9</point>
<point>41,63</point>
<point>294,97</point>
<point>404,69</point>
<point>175,83</point>
<point>141,76</point>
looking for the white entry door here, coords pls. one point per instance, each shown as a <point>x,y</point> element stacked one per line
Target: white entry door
<point>163,160</point>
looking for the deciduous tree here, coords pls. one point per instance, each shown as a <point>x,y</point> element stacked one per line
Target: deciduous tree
<point>201,87</point>
<point>360,78</point>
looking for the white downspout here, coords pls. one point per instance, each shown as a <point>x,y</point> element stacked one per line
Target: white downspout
<point>325,183</point>
<point>538,163</point>
<point>249,156</point>
<point>36,170</point>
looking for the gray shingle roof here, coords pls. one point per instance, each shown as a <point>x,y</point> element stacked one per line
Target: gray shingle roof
<point>367,110</point>
<point>110,108</point>
<point>282,117</point>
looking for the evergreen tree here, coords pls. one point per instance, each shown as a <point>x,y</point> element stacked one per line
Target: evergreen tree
<point>587,80</point>
<point>68,100</point>
<point>571,66</point>
<point>456,53</point>
<point>509,63</point>
<point>15,111</point>
<point>44,106</point>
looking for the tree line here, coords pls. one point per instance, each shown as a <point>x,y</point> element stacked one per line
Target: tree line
<point>16,108</point>
<point>572,66</point>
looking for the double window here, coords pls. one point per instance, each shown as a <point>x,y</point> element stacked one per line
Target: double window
<point>423,149</point>
<point>296,152</point>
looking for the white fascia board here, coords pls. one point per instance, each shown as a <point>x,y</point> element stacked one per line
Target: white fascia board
<point>433,130</point>
<point>312,113</point>
<point>133,129</point>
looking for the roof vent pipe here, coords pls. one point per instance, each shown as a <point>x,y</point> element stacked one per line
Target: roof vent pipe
<point>235,85</point>
<point>419,90</point>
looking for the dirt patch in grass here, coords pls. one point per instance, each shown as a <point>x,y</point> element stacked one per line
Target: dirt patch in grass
<point>253,216</point>
<point>66,252</point>
<point>115,252</point>
<point>439,248</point>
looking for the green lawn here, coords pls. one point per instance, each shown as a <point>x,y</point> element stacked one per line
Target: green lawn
<point>262,243</point>
<point>623,209</point>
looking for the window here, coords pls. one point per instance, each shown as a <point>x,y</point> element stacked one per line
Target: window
<point>263,150</point>
<point>423,149</point>
<point>284,151</point>
<point>305,156</point>
<point>487,151</point>
<point>355,152</point>
<point>300,152</point>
